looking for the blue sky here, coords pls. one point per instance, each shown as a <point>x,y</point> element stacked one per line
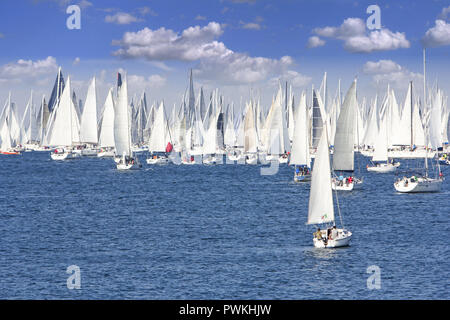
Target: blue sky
<point>235,45</point>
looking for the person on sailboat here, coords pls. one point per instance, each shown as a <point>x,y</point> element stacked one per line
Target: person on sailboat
<point>318,234</point>
<point>334,233</point>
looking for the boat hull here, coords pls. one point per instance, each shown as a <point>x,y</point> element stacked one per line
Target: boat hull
<point>383,168</point>
<point>128,166</point>
<point>343,240</point>
<point>160,160</point>
<point>418,186</point>
<point>10,152</point>
<point>65,156</point>
<point>105,154</point>
<point>302,178</point>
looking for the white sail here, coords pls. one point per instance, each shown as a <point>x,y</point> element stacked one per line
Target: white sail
<point>88,126</point>
<point>404,126</point>
<point>381,147</point>
<point>106,136</point>
<point>395,133</point>
<point>250,135</point>
<point>321,209</point>
<point>418,131</point>
<point>159,136</point>
<point>277,137</point>
<point>343,156</point>
<point>122,121</point>
<point>230,132</point>
<point>434,124</point>
<point>300,144</point>
<point>65,126</point>
<point>372,125</point>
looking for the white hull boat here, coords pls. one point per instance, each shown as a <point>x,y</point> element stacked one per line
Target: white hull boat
<point>209,160</point>
<point>89,152</point>
<point>384,167</point>
<point>65,156</point>
<point>342,240</point>
<point>251,159</point>
<point>418,184</point>
<point>158,160</point>
<point>106,154</point>
<point>302,177</point>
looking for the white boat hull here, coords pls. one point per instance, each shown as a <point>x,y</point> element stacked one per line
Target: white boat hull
<point>89,152</point>
<point>128,166</point>
<point>106,154</point>
<point>343,240</point>
<point>209,160</point>
<point>421,184</point>
<point>253,159</point>
<point>302,177</point>
<point>65,156</point>
<point>384,167</point>
<point>159,160</point>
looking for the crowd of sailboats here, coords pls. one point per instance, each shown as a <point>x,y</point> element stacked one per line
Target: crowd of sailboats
<point>203,131</point>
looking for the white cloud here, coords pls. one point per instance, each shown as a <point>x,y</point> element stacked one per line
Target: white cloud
<point>437,36</point>
<point>146,10</point>
<point>199,17</point>
<point>444,13</point>
<point>381,67</point>
<point>389,72</point>
<point>292,77</point>
<point>84,4</point>
<point>28,68</point>
<point>138,83</point>
<point>252,26</point>
<point>164,44</point>
<point>121,18</point>
<point>314,42</point>
<point>215,61</point>
<point>76,61</point>
<point>353,32</point>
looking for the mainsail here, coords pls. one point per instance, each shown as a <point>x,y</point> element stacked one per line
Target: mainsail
<point>343,157</point>
<point>321,208</point>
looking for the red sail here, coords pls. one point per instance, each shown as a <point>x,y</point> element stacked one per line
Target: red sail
<point>169,147</point>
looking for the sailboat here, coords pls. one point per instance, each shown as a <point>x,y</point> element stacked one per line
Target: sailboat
<point>321,206</point>
<point>300,156</point>
<point>343,156</point>
<point>64,114</point>
<point>122,131</point>
<point>106,134</point>
<point>250,137</point>
<point>159,139</point>
<point>88,124</point>
<point>380,160</point>
<point>276,136</point>
<point>424,183</point>
<point>8,125</point>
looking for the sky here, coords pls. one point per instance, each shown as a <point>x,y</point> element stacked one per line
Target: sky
<point>243,47</point>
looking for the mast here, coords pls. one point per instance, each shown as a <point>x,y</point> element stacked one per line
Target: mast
<point>424,81</point>
<point>410,84</point>
<point>424,104</point>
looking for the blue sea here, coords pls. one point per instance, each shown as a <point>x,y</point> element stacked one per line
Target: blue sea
<point>210,232</point>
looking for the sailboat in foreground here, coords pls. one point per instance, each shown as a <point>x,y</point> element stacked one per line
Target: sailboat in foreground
<point>321,207</point>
